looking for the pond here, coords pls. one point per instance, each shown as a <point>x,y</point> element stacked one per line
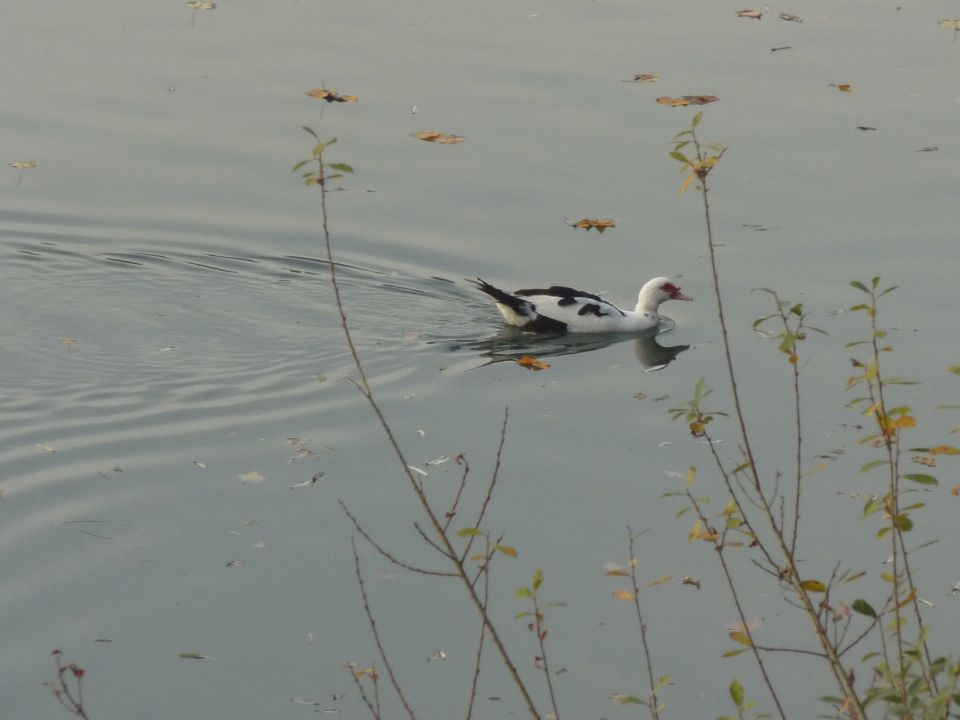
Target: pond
<point>179,420</point>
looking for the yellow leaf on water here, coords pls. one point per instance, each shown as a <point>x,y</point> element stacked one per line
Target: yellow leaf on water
<point>672,101</point>
<point>23,164</point>
<point>660,581</point>
<point>944,450</point>
<point>437,137</point>
<point>624,595</point>
<point>844,87</point>
<point>952,24</point>
<point>587,224</point>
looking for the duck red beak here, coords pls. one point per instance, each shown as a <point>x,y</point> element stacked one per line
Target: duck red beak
<point>677,295</point>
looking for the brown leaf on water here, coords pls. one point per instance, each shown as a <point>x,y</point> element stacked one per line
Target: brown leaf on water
<point>687,100</point>
<point>952,24</point>
<point>925,461</point>
<point>752,14</point>
<point>790,18</point>
<point>624,595</point>
<point>528,361</point>
<point>587,224</point>
<point>644,78</point>
<point>437,137</point>
<point>700,99</point>
<point>844,87</point>
<point>331,95</point>
<point>955,490</point>
<point>23,164</point>
<point>197,5</point>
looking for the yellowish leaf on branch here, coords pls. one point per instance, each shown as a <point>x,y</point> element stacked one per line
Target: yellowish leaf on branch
<point>624,595</point>
<point>813,586</point>
<point>925,461</point>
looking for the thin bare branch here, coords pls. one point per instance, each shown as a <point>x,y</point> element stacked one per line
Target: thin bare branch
<point>376,634</point>
<point>376,546</point>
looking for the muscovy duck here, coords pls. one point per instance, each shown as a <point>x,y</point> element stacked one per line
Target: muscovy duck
<point>558,309</point>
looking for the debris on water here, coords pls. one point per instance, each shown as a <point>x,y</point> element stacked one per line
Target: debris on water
<point>418,471</point>
<point>438,460</point>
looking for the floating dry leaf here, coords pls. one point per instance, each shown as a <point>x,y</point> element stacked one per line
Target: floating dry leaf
<point>437,137</point>
<point>418,471</point>
<point>251,477</point>
<point>944,450</point>
<point>528,361</point>
<point>790,18</point>
<point>23,164</point>
<point>687,580</point>
<point>624,595</point>
<point>782,47</point>
<point>844,87</point>
<point>644,78</point>
<point>68,341</point>
<point>197,5</point>
<point>687,100</point>
<point>752,14</point>
<point>951,24</point>
<point>659,581</point>
<point>331,96</point>
<point>437,655</point>
<point>438,460</point>
<point>191,656</point>
<point>587,224</point>
<point>925,461</point>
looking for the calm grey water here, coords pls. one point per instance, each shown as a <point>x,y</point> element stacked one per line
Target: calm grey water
<point>173,365</point>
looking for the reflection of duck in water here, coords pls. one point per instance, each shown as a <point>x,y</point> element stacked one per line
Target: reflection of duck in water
<point>654,356</point>
<point>511,344</point>
<point>559,309</point>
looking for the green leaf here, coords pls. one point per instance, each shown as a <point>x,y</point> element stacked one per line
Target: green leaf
<point>622,699</point>
<point>903,523</point>
<point>340,167</point>
<point>864,608</point>
<point>921,478</point>
<point>696,119</point>
<point>524,592</point>
<point>736,692</point>
<point>732,653</point>
<point>871,465</point>
<point>537,579</point>
<point>679,157</point>
<point>310,130</point>
<point>859,286</point>
<point>469,532</point>
<point>522,614</point>
<point>300,165</point>
<point>955,369</point>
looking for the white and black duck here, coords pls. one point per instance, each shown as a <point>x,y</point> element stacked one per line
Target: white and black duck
<point>558,309</point>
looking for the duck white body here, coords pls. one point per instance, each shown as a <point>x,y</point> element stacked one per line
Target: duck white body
<point>563,309</point>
